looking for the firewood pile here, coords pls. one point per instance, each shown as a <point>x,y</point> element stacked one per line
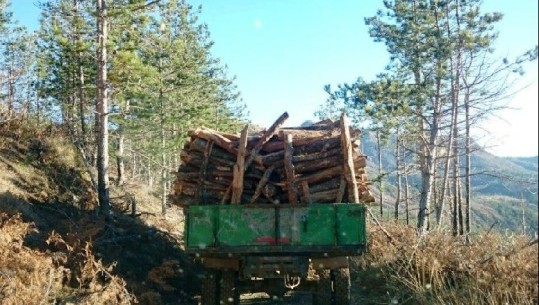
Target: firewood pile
<point>320,163</point>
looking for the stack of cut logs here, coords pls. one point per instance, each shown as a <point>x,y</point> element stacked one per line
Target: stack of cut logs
<point>320,163</point>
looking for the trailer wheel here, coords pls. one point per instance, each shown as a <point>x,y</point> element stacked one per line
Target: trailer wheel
<point>209,294</point>
<point>229,290</point>
<point>322,294</point>
<point>276,292</point>
<point>341,286</point>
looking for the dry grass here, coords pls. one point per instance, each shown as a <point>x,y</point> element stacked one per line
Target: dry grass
<point>440,269</point>
<point>66,273</point>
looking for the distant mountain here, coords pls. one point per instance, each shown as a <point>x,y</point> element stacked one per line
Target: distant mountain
<point>504,189</point>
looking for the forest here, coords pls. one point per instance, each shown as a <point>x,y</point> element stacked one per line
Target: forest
<point>100,99</point>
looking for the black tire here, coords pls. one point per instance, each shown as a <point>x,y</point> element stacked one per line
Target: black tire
<point>341,286</point>
<point>209,293</point>
<point>276,293</point>
<point>229,290</point>
<point>323,292</point>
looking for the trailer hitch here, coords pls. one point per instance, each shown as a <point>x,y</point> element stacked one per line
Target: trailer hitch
<point>291,282</point>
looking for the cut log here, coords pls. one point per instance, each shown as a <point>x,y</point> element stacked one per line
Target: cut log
<point>349,173</point>
<point>199,145</point>
<point>202,171</point>
<point>321,175</point>
<point>306,198</point>
<point>310,166</point>
<point>289,168</point>
<point>266,136</point>
<point>342,189</point>
<point>314,164</point>
<point>237,182</point>
<point>212,135</point>
<point>262,184</point>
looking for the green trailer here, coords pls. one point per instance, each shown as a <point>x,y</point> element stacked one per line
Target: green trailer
<point>274,248</point>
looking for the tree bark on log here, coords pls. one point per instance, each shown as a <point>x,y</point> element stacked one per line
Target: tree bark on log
<point>349,173</point>
<point>237,182</point>
<point>289,168</point>
<point>318,164</point>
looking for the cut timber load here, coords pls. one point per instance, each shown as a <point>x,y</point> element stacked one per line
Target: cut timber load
<point>320,163</point>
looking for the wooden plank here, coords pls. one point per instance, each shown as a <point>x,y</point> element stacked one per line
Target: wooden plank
<point>266,136</point>
<point>349,172</point>
<point>262,184</point>
<point>199,144</point>
<point>237,181</point>
<point>212,135</point>
<point>317,155</point>
<point>321,175</point>
<point>313,166</point>
<point>306,193</point>
<point>289,169</point>
<point>202,171</point>
<point>340,193</point>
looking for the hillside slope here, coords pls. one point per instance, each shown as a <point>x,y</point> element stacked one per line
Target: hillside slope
<point>51,240</point>
<point>504,190</point>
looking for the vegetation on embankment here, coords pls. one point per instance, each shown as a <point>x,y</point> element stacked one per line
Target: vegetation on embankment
<point>53,249</point>
<point>491,268</point>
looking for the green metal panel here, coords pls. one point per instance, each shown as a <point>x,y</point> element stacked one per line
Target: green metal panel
<point>200,226</point>
<point>291,222</point>
<point>318,227</point>
<point>351,224</point>
<point>311,225</point>
<point>245,226</point>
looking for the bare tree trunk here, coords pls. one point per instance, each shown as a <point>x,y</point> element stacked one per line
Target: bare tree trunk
<point>454,114</point>
<point>81,83</point>
<point>398,168</point>
<point>380,174</point>
<point>163,174</point>
<point>120,157</point>
<point>149,174</point>
<point>102,107</point>
<point>10,92</point>
<point>406,185</point>
<point>427,173</point>
<point>468,175</point>
<point>164,188</point>
<point>134,168</point>
<point>454,208</point>
<point>459,204</point>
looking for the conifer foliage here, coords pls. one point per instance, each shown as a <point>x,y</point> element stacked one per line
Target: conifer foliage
<point>125,78</point>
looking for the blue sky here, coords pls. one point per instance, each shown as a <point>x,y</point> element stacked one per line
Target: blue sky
<point>284,51</point>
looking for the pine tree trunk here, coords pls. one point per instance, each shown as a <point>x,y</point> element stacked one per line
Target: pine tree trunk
<point>149,174</point>
<point>163,174</point>
<point>81,84</point>
<point>82,106</point>
<point>397,162</point>
<point>427,177</point>
<point>380,183</point>
<point>120,157</point>
<point>459,204</point>
<point>10,92</point>
<point>454,213</point>
<point>406,185</point>
<point>102,106</point>
<point>134,167</point>
<point>468,175</point>
<point>454,114</point>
